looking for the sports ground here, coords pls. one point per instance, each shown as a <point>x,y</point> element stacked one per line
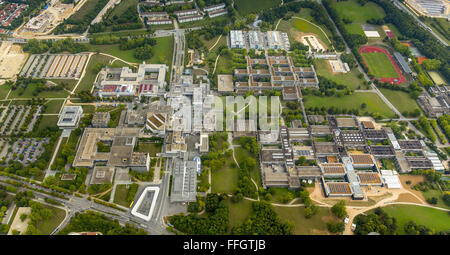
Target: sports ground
<point>381,64</point>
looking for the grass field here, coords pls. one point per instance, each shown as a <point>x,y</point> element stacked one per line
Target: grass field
<point>53,106</point>
<point>47,121</point>
<point>151,148</point>
<point>401,100</point>
<point>437,194</point>
<point>316,225</point>
<point>28,93</point>
<point>295,25</point>
<point>69,83</point>
<point>352,10</point>
<point>432,218</point>
<point>84,10</point>
<point>4,89</point>
<point>238,212</point>
<point>224,65</point>
<point>380,65</point>
<point>225,180</point>
<point>120,197</point>
<point>89,78</point>
<point>162,51</point>
<point>441,26</point>
<point>46,227</point>
<point>210,43</point>
<point>245,7</point>
<point>437,78</point>
<point>373,101</point>
<point>349,79</point>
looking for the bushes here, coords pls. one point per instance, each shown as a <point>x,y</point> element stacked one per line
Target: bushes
<point>379,222</point>
<point>335,226</point>
<point>339,209</point>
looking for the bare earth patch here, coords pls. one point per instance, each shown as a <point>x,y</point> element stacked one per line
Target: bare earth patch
<point>299,35</point>
<point>415,179</point>
<point>405,197</point>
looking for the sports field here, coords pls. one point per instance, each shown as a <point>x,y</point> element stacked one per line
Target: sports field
<point>381,64</point>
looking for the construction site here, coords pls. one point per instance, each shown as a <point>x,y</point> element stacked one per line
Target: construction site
<point>49,18</point>
<point>10,53</point>
<point>55,66</point>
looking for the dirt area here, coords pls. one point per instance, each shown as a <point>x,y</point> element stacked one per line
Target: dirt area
<point>17,223</point>
<point>406,197</point>
<point>299,35</point>
<point>415,179</point>
<point>10,53</point>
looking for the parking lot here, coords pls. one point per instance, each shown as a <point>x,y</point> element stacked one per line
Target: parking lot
<point>24,151</point>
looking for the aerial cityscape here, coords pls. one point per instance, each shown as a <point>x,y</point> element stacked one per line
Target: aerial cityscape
<point>224,117</point>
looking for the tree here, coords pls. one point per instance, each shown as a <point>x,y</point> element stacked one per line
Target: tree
<point>335,226</point>
<point>431,64</point>
<point>339,209</point>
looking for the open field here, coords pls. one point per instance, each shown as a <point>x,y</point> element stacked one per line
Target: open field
<point>53,106</point>
<point>401,100</point>
<point>373,101</point>
<point>91,71</point>
<point>210,43</point>
<point>46,227</point>
<point>28,93</point>
<point>437,78</point>
<point>358,14</point>
<point>120,197</point>
<point>316,225</point>
<point>238,212</point>
<point>349,79</point>
<point>245,7</point>
<point>47,121</point>
<point>432,218</point>
<point>440,26</point>
<point>84,10</point>
<point>4,89</point>
<point>380,65</point>
<point>162,51</point>
<point>224,65</point>
<point>225,180</point>
<point>151,148</point>
<point>437,194</point>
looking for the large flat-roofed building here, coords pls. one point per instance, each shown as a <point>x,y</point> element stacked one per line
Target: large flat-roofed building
<point>117,82</point>
<point>217,13</point>
<point>120,153</point>
<point>277,40</point>
<point>362,160</point>
<point>214,7</point>
<point>184,183</point>
<point>70,117</point>
<point>185,13</point>
<point>237,39</point>
<point>184,19</point>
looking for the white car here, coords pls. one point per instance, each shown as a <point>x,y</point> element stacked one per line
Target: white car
<point>346,220</point>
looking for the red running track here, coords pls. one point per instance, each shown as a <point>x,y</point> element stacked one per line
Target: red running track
<point>371,49</point>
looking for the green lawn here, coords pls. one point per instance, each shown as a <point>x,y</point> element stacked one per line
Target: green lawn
<point>354,101</point>
<point>162,51</point>
<point>278,193</point>
<point>441,26</point>
<point>241,155</point>
<point>47,121</point>
<point>120,197</point>
<point>238,212</point>
<point>316,225</point>
<point>84,10</point>
<point>225,180</point>
<point>28,93</point>
<point>380,65</point>
<point>46,227</point>
<point>438,194</point>
<point>401,100</point>
<point>91,72</point>
<point>352,10</point>
<point>432,218</point>
<point>4,89</point>
<point>210,43</point>
<point>349,79</point>
<point>245,7</point>
<point>151,148</point>
<point>69,84</point>
<point>224,65</point>
<point>53,106</point>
